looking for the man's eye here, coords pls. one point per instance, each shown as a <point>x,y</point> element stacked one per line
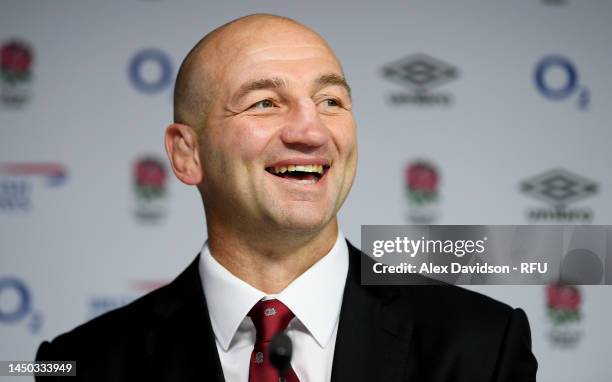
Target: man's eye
<point>263,104</point>
<point>331,102</point>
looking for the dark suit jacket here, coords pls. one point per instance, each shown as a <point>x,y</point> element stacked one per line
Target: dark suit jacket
<point>385,333</point>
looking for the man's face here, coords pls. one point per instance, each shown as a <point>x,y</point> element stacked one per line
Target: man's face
<point>279,147</point>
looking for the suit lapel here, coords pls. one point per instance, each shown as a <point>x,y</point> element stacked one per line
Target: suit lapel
<point>373,341</point>
<point>183,348</point>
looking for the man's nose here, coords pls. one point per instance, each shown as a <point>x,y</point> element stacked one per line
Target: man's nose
<point>304,127</point>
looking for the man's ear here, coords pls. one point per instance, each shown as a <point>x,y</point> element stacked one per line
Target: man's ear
<point>182,148</point>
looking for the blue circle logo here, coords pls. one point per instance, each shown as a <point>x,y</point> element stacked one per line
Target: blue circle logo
<point>24,304</point>
<point>150,57</point>
<point>556,92</point>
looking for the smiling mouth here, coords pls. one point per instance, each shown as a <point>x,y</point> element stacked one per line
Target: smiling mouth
<point>304,174</point>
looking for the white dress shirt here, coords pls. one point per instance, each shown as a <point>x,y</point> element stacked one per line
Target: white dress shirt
<point>315,298</point>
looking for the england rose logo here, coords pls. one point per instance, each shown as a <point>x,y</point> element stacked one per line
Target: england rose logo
<point>149,176</point>
<point>563,308</point>
<point>563,303</point>
<point>16,59</point>
<point>421,181</point>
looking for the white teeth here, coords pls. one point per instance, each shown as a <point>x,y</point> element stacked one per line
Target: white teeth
<point>304,168</point>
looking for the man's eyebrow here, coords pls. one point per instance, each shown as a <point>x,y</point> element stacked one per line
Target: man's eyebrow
<point>260,84</point>
<point>331,79</point>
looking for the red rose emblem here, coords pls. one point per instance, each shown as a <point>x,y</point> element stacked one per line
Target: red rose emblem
<point>563,297</point>
<point>422,177</point>
<point>15,57</point>
<point>150,173</point>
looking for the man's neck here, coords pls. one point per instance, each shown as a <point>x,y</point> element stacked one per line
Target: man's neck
<point>270,265</point>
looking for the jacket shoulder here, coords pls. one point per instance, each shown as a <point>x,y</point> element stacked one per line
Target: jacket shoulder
<point>434,303</point>
<point>123,329</point>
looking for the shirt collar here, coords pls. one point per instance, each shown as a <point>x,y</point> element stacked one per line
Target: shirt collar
<point>315,297</point>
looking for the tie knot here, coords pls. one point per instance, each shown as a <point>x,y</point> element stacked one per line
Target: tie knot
<point>270,317</point>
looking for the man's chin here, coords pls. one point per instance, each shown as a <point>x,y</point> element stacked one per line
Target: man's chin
<point>306,223</point>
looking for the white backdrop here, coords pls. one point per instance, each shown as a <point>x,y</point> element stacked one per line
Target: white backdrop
<point>78,238</point>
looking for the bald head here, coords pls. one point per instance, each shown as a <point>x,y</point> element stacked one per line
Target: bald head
<point>197,79</point>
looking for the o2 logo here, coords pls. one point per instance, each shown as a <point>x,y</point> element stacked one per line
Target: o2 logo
<point>151,71</point>
<point>556,78</point>
<point>16,304</point>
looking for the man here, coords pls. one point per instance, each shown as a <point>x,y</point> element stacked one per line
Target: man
<point>264,128</point>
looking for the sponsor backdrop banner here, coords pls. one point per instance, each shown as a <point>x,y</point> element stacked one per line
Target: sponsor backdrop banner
<point>468,113</point>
